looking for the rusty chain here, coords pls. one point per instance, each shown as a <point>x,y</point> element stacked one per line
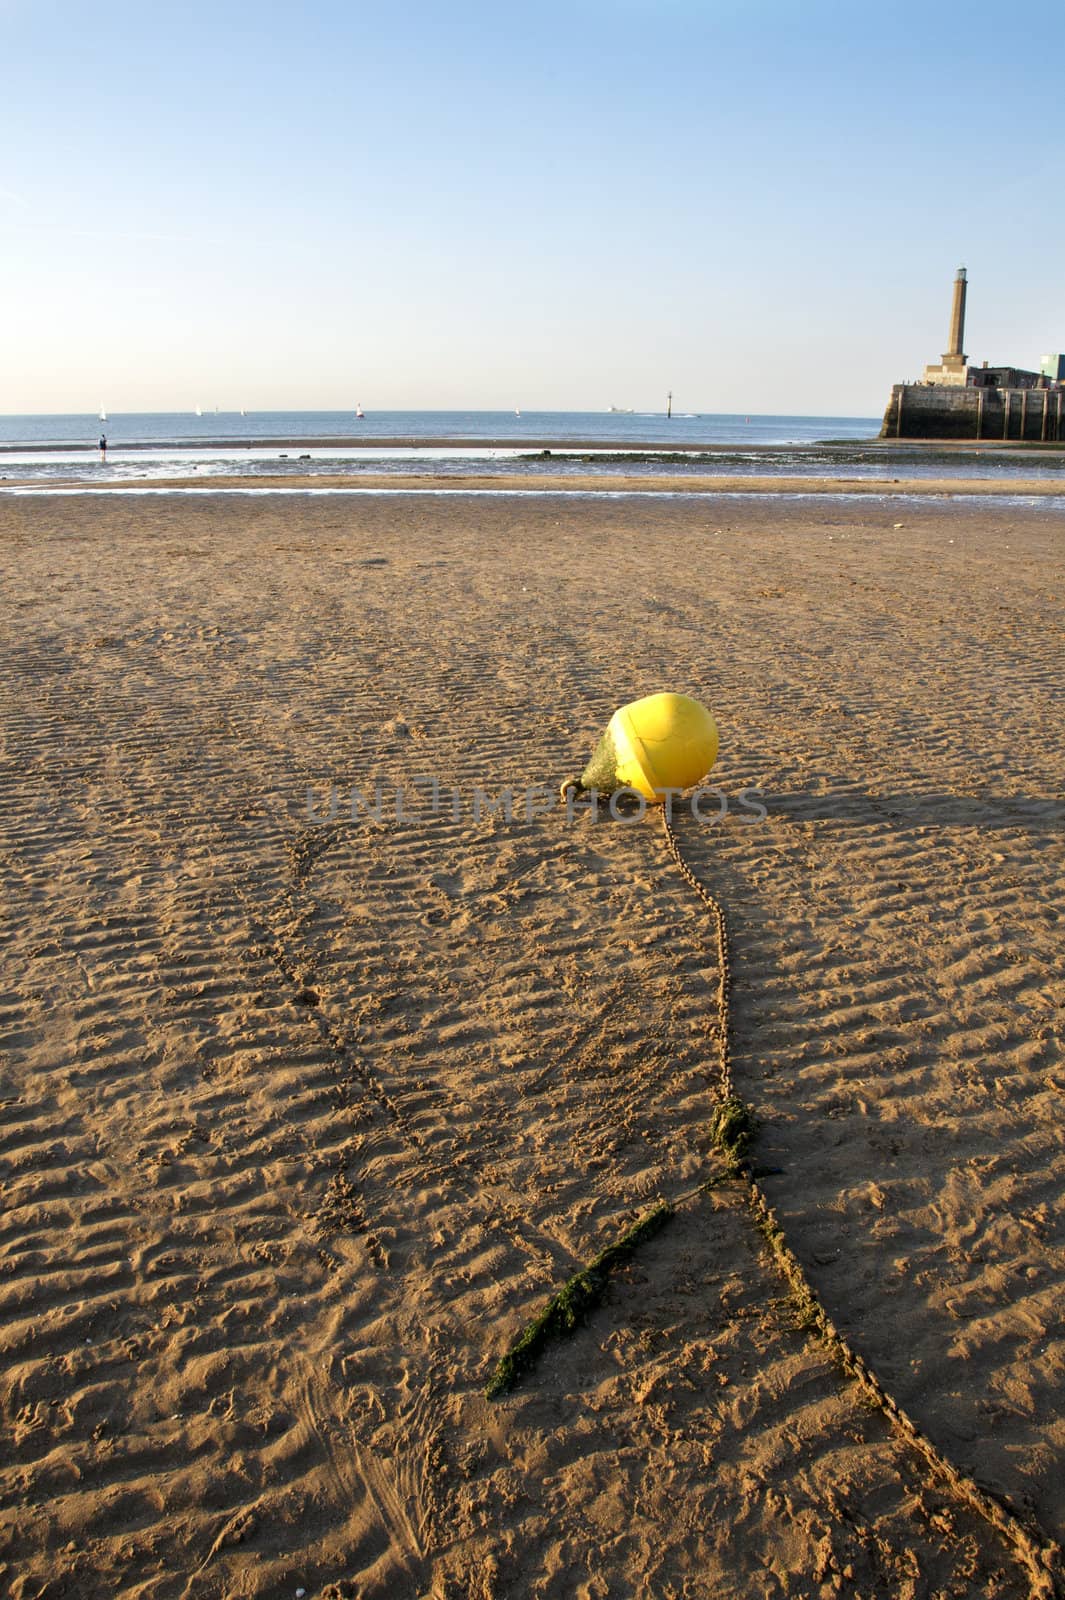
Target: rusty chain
<point>1040,1556</point>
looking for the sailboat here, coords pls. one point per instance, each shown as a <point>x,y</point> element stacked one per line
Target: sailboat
<point>199,411</point>
<point>103,414</point>
<point>359,412</point>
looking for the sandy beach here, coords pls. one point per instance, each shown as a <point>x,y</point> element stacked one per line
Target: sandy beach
<point>305,1115</point>
<point>576,483</point>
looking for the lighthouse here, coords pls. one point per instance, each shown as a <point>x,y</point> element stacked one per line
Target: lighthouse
<point>953,370</point>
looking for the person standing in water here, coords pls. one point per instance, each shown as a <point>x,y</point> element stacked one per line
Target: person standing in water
<point>103,447</point>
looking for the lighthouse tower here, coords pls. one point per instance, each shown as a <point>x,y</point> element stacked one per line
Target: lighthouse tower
<point>953,370</point>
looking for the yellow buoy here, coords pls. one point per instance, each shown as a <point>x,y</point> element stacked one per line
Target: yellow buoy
<point>664,741</point>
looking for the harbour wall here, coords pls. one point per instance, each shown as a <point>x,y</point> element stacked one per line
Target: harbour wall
<point>933,411</point>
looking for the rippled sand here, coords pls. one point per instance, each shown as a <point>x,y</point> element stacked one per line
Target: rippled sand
<point>303,1120</point>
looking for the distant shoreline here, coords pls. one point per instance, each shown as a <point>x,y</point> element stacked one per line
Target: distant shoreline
<point>886,447</point>
<point>407,442</point>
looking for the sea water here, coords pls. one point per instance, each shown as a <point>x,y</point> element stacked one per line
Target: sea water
<point>50,450</point>
<point>620,429</point>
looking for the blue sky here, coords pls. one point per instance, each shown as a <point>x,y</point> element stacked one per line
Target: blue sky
<point>758,205</point>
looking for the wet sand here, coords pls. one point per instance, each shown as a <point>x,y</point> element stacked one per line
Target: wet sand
<point>549,482</point>
<point>303,1119</point>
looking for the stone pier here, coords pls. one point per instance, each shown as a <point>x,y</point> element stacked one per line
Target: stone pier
<point>943,411</point>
